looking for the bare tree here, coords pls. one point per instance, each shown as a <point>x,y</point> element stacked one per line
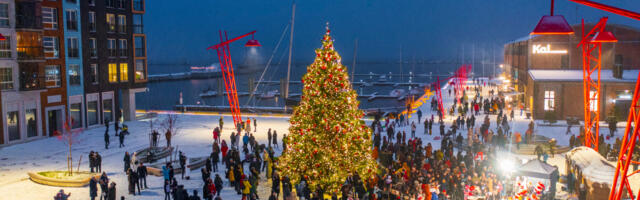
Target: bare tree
<point>68,137</point>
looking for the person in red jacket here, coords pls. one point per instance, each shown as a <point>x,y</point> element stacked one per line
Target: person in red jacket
<point>224,149</point>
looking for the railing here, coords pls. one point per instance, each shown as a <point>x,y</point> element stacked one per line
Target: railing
<point>73,53</point>
<point>122,52</point>
<point>30,53</point>
<point>122,28</point>
<point>74,80</point>
<point>93,52</point>
<point>138,5</point>
<point>138,28</point>
<point>140,52</point>
<point>72,25</point>
<point>92,27</point>
<point>29,21</point>
<point>113,53</point>
<point>31,81</point>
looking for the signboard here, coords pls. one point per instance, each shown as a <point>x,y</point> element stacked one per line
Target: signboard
<point>540,49</point>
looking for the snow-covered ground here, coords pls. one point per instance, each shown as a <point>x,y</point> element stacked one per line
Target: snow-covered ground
<point>195,140</point>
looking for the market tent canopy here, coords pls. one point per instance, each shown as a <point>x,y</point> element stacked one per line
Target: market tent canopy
<point>538,169</point>
<point>592,165</point>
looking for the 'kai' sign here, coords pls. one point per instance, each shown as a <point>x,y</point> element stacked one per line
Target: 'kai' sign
<point>539,49</point>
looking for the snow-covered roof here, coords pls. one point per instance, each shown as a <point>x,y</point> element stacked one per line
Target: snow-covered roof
<point>537,168</point>
<point>525,38</point>
<point>576,75</point>
<point>592,164</point>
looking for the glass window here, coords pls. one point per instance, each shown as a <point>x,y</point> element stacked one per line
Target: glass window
<point>13,125</point>
<point>52,76</point>
<point>50,18</point>
<point>138,5</point>
<point>139,44</point>
<point>110,3</point>
<point>4,15</point>
<point>32,125</point>
<point>93,75</point>
<point>72,20</point>
<point>549,100</point>
<point>75,110</point>
<point>122,23</point>
<point>92,2</point>
<point>140,70</point>
<point>111,22</point>
<point>51,47</point>
<point>5,47</point>
<point>112,47</point>
<point>72,48</point>
<point>6,78</point>
<point>74,74</point>
<point>93,48</point>
<point>124,75</point>
<point>121,4</point>
<point>593,101</point>
<point>92,21</point>
<point>122,47</point>
<point>107,107</point>
<point>113,72</point>
<point>137,23</point>
<point>92,113</point>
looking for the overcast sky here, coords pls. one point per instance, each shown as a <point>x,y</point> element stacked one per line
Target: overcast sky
<point>179,31</point>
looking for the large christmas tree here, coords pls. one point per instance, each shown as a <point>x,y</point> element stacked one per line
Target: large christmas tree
<point>328,139</point>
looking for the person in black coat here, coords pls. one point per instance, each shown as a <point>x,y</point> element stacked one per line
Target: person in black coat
<point>106,139</point>
<point>183,162</point>
<point>275,185</point>
<point>207,164</point>
<point>121,136</point>
<point>112,192</point>
<point>93,188</point>
<point>142,175</point>
<point>219,184</point>
<point>127,161</point>
<point>98,161</point>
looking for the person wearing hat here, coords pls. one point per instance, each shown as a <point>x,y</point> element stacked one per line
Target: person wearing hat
<point>61,195</point>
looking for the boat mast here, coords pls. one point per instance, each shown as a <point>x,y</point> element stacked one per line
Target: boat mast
<point>293,18</point>
<point>353,67</point>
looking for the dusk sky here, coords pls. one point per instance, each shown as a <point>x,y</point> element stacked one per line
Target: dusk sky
<point>436,30</point>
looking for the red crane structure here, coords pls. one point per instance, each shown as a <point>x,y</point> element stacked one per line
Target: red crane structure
<point>459,79</point>
<point>591,44</point>
<point>631,134</point>
<point>226,65</point>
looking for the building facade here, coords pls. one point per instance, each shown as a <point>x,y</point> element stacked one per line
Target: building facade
<point>74,74</point>
<point>547,69</point>
<point>112,37</point>
<point>75,61</point>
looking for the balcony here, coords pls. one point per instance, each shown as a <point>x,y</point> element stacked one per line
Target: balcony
<point>30,53</point>
<point>28,22</point>
<point>29,80</point>
<point>138,5</point>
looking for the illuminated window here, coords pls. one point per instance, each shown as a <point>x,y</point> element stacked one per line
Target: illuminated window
<point>593,101</point>
<point>124,75</point>
<point>52,76</point>
<point>549,100</point>
<point>113,72</point>
<point>141,73</point>
<point>111,22</point>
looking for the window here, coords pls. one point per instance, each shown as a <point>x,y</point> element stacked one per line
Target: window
<point>93,74</point>
<point>75,110</point>
<point>140,70</point>
<point>113,73</point>
<point>92,2</point>
<point>124,75</point>
<point>121,4</point>
<point>32,126</point>
<point>51,47</point>
<point>122,47</point>
<point>52,76</point>
<point>110,3</point>
<point>72,20</point>
<point>92,113</point>
<point>50,18</point>
<point>111,22</point>
<point>13,125</point>
<point>111,45</point>
<point>139,43</point>
<point>122,23</point>
<point>5,47</point>
<point>74,74</point>
<point>549,100</point>
<point>4,15</point>
<point>137,23</point>
<point>107,107</point>
<point>72,48</point>
<point>593,101</point>
<point>92,21</point>
<point>138,5</point>
<point>6,78</point>
<point>93,48</point>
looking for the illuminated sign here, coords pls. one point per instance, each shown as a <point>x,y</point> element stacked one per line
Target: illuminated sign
<point>539,49</point>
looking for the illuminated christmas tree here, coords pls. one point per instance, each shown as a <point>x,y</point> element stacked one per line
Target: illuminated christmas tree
<point>328,139</point>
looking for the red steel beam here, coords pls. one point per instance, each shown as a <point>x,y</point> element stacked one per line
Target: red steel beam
<point>611,9</point>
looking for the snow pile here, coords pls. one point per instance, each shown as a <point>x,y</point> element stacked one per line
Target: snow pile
<point>592,165</point>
